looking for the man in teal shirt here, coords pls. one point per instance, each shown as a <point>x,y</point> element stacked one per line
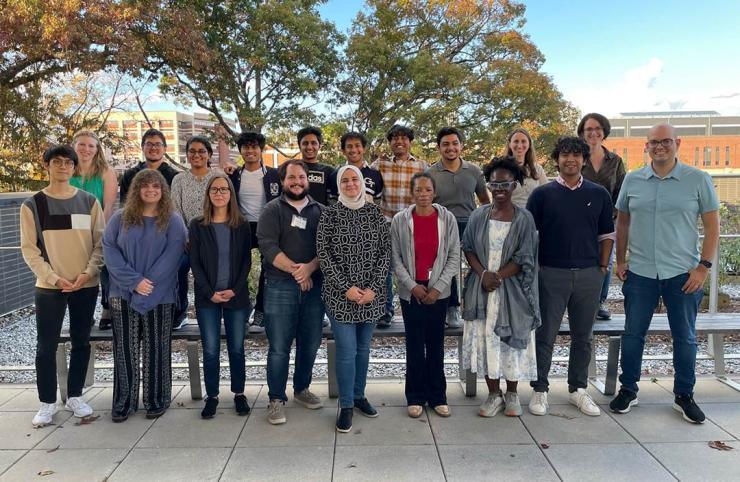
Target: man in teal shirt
<point>658,209</point>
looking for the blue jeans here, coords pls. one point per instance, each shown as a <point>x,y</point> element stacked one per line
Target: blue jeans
<point>291,314</point>
<point>640,299</point>
<point>353,358</point>
<point>181,307</point>
<point>209,322</point>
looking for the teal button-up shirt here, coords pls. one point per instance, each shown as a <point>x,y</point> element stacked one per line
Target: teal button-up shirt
<point>664,235</point>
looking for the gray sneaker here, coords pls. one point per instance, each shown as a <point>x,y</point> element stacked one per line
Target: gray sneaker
<point>513,407</point>
<point>308,399</point>
<point>257,324</point>
<point>453,317</point>
<point>276,412</point>
<point>493,405</point>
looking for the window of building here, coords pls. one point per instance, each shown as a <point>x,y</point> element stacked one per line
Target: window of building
<point>716,156</point>
<point>130,124</point>
<point>696,156</point>
<point>625,155</point>
<point>164,124</point>
<point>727,155</point>
<point>707,156</point>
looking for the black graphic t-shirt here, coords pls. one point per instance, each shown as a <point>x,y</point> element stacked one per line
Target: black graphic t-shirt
<point>318,181</point>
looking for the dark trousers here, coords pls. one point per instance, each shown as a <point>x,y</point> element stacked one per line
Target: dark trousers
<point>425,370</point>
<point>454,293</point>
<point>146,338</point>
<point>50,308</point>
<point>576,290</point>
<point>181,310</point>
<point>104,288</point>
<point>259,300</point>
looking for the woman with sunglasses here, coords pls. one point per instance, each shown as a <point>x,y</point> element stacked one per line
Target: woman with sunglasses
<point>220,256</point>
<point>501,298</point>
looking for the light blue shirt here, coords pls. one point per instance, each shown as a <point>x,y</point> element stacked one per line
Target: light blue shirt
<point>663,233</point>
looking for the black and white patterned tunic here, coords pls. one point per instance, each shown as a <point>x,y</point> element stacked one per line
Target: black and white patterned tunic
<point>354,249</point>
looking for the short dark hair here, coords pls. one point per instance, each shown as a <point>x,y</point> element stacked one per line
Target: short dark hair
<point>203,140</point>
<point>571,144</point>
<point>447,131</point>
<point>399,130</point>
<point>507,163</point>
<point>353,135</point>
<point>250,138</point>
<point>60,150</point>
<point>153,133</point>
<point>605,125</point>
<point>420,175</point>
<point>283,169</point>
<point>310,130</point>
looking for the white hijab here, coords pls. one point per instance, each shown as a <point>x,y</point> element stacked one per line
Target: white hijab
<point>358,201</point>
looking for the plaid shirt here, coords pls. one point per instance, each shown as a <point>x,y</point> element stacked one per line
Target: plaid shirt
<point>396,178</point>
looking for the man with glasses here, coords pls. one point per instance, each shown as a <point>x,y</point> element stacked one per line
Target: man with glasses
<point>658,209</point>
<point>458,184</point>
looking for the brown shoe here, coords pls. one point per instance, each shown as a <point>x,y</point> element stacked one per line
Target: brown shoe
<point>443,410</point>
<point>415,411</point>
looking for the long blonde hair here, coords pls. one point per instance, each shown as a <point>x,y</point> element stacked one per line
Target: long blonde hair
<point>133,209</point>
<point>99,164</point>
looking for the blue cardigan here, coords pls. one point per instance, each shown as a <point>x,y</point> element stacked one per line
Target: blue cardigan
<point>137,252</point>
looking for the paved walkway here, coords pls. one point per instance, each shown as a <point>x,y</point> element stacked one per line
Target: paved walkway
<point>650,443</point>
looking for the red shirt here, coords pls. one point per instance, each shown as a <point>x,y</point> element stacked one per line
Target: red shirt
<point>426,243</point>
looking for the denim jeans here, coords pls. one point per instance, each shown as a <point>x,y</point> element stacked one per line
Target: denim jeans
<point>182,286</point>
<point>209,322</point>
<point>353,357</point>
<point>291,314</point>
<point>50,308</point>
<point>640,299</point>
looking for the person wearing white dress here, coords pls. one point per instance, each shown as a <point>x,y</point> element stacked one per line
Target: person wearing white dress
<point>501,298</point>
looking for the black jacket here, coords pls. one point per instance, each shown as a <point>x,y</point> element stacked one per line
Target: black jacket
<point>270,181</point>
<point>204,263</point>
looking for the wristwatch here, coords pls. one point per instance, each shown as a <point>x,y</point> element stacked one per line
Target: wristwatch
<point>705,263</point>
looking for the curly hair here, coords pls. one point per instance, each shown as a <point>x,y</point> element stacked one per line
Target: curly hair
<point>99,164</point>
<point>530,157</point>
<point>133,209</point>
<point>507,163</point>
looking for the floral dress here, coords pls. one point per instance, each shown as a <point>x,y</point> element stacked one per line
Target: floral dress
<point>483,351</point>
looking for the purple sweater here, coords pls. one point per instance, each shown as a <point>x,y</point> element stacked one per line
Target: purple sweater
<point>137,252</point>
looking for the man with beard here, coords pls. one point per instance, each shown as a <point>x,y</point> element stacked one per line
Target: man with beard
<point>309,142</point>
<point>286,233</point>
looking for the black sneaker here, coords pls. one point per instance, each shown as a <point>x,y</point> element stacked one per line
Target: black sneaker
<point>344,420</point>
<point>688,408</point>
<point>210,409</point>
<point>365,407</point>
<point>105,324</point>
<point>385,321</point>
<point>603,313</point>
<point>240,405</point>
<point>155,413</point>
<point>118,417</point>
<point>623,402</point>
<point>181,320</point>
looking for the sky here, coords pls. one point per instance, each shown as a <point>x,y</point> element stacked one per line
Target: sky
<point>626,55</point>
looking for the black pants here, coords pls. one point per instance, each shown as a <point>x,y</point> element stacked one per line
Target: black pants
<point>146,337</point>
<point>259,301</point>
<point>577,291</point>
<point>50,308</point>
<point>425,370</point>
<point>454,294</point>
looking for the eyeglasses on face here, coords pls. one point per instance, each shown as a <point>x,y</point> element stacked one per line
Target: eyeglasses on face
<point>591,130</point>
<point>153,145</point>
<point>201,152</point>
<point>219,190</point>
<point>660,142</point>
<point>58,162</point>
<point>503,185</point>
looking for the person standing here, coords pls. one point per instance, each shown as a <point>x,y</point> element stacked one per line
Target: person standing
<point>142,245</point>
<point>658,209</point>
<point>501,296</point>
<point>353,245</point>
<point>256,185</point>
<point>309,142</point>
<point>286,233</point>
<point>94,175</point>
<point>458,183</point>
<point>353,146</point>
<point>576,232</point>
<point>519,146</point>
<point>607,169</point>
<point>426,255</point>
<point>220,254</point>
<point>61,230</point>
<point>396,172</point>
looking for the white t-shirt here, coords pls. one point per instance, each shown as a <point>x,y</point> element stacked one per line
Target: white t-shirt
<point>252,194</point>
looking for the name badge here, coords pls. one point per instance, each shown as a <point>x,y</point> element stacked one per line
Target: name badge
<point>298,222</point>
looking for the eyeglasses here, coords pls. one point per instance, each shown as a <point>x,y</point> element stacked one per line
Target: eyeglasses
<point>220,190</point>
<point>504,185</point>
<point>201,152</point>
<point>591,130</point>
<point>662,142</point>
<point>153,145</point>
<point>56,162</point>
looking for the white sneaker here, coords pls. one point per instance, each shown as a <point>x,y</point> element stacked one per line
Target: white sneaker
<point>513,407</point>
<point>538,404</point>
<point>44,415</point>
<point>581,399</point>
<point>78,406</point>
<point>493,405</point>
<point>453,317</point>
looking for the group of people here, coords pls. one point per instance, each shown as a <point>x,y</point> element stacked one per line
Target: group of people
<point>332,241</point>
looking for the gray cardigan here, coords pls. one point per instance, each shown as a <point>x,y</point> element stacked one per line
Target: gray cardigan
<point>518,309</point>
<point>447,263</point>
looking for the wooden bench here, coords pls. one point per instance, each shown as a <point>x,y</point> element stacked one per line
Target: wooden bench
<point>713,325</point>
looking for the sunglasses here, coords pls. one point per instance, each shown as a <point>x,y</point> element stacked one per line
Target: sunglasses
<point>504,185</point>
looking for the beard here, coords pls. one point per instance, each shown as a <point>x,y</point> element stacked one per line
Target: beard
<point>296,197</point>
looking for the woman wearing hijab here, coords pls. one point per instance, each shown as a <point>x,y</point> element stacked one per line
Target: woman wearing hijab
<point>353,246</point>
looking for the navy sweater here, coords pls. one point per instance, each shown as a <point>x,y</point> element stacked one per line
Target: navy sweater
<point>570,222</point>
